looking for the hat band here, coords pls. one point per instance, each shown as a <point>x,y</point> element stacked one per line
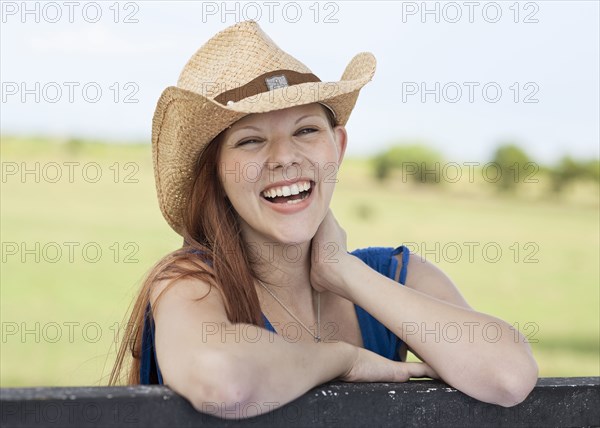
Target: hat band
<point>264,83</point>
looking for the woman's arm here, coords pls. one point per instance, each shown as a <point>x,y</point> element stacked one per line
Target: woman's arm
<point>240,370</point>
<point>429,279</point>
<point>476,353</point>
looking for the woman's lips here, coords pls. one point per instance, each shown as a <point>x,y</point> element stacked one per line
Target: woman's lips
<point>291,208</point>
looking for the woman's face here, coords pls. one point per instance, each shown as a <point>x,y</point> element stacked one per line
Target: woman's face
<point>281,152</point>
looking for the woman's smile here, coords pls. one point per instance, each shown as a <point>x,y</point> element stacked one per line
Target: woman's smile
<point>289,199</point>
<point>293,150</point>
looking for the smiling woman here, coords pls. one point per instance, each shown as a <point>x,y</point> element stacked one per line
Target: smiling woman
<point>295,145</point>
<point>263,301</point>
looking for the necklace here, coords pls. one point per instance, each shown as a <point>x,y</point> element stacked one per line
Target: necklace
<point>318,336</point>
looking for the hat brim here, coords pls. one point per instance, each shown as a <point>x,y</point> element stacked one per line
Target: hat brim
<point>185,122</point>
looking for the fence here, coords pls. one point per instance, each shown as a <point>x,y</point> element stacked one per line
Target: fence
<point>553,402</point>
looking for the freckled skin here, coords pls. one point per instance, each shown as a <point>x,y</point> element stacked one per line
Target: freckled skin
<point>265,148</point>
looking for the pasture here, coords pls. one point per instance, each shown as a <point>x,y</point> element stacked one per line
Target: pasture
<point>75,248</point>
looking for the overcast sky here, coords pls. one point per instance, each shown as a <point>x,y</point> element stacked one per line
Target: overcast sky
<point>502,71</point>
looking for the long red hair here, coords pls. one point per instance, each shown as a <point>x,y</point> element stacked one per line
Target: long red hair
<point>210,226</point>
<point>223,260</point>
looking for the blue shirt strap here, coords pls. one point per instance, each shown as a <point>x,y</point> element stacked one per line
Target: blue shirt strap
<point>405,258</point>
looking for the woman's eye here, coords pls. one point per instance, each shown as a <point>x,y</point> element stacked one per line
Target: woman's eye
<point>305,131</point>
<point>249,141</point>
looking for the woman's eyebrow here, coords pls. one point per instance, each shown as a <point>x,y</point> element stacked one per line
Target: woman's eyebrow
<point>257,129</point>
<point>233,132</point>
<point>254,128</point>
<point>305,116</point>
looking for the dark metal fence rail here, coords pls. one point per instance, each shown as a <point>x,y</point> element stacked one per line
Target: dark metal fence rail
<point>554,402</point>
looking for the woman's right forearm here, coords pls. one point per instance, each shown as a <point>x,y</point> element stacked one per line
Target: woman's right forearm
<point>265,371</point>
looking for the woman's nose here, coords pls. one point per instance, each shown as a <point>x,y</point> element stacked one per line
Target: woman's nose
<point>283,151</point>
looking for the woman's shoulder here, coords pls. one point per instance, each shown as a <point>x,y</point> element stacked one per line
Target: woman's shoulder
<point>376,255</point>
<point>389,261</point>
<point>378,251</point>
<point>423,275</point>
<point>186,288</point>
<point>186,277</point>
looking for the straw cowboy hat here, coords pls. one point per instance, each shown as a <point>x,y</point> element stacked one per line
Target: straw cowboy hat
<point>237,72</point>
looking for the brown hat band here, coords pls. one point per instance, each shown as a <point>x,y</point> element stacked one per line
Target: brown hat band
<point>264,83</point>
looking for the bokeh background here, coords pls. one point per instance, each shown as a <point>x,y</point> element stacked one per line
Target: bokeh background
<point>476,145</point>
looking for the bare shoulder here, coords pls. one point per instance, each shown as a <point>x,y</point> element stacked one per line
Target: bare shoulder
<point>178,294</point>
<point>424,276</point>
<point>187,313</point>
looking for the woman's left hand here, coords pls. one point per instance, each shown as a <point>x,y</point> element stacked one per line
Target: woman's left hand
<point>329,257</point>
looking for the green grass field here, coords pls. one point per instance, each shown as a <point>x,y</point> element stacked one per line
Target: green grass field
<point>60,314</point>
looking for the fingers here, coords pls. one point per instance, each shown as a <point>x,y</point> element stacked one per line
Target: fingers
<point>370,367</point>
<point>418,370</point>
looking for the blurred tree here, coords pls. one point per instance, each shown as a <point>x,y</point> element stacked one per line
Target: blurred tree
<point>568,170</point>
<point>592,169</point>
<point>382,167</point>
<point>417,163</point>
<point>510,166</point>
<point>74,146</point>
<point>364,211</point>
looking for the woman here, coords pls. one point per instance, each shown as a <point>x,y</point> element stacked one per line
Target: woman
<point>263,301</point>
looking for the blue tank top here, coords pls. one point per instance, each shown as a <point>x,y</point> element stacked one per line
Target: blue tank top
<point>376,337</point>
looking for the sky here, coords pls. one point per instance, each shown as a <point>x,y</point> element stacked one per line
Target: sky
<point>462,77</point>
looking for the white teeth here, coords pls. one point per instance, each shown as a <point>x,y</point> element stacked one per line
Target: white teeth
<point>294,189</point>
<point>296,201</point>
